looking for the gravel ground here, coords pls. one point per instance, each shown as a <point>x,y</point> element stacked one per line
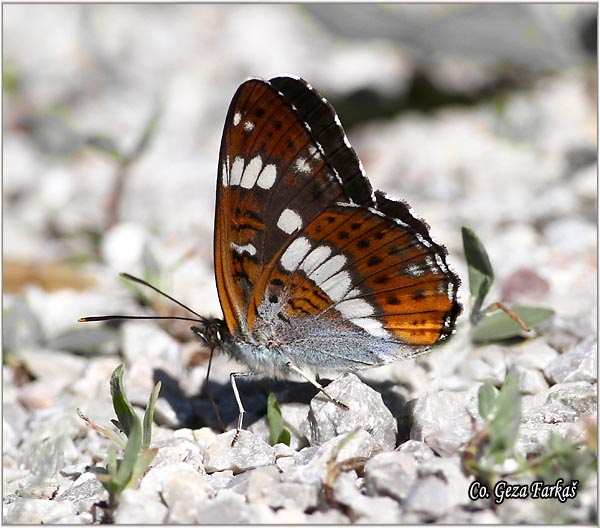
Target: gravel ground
<point>519,168</point>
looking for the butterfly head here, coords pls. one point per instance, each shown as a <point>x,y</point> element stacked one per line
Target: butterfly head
<point>212,331</point>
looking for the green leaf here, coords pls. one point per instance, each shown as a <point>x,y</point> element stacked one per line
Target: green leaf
<point>123,408</point>
<point>487,397</point>
<point>275,421</point>
<point>284,438</point>
<point>144,459</point>
<point>131,454</point>
<point>499,325</point>
<point>111,461</point>
<point>505,425</point>
<point>149,416</point>
<point>481,273</point>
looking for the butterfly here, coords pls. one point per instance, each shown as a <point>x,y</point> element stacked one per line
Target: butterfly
<point>315,271</point>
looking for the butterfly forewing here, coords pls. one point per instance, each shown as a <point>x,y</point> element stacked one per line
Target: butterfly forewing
<point>302,240</point>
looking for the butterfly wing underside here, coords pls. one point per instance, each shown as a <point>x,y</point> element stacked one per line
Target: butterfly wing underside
<point>299,230</point>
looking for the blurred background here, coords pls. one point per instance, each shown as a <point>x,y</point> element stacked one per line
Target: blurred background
<point>477,115</point>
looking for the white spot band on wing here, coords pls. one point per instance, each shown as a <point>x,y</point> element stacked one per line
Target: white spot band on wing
<point>267,177</point>
<point>315,258</point>
<point>328,268</point>
<point>371,325</point>
<point>251,173</point>
<point>355,308</point>
<point>337,286</point>
<point>247,248</point>
<point>289,221</point>
<point>236,171</point>
<point>294,254</point>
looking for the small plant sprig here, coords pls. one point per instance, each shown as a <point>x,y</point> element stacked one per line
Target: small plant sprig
<point>505,323</point>
<point>494,442</point>
<point>277,433</point>
<point>335,467</point>
<point>558,460</point>
<point>137,456</point>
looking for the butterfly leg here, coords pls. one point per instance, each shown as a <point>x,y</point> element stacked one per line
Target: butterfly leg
<point>314,382</point>
<point>232,378</point>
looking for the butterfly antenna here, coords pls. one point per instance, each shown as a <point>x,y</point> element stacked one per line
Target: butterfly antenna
<point>144,317</point>
<point>147,284</point>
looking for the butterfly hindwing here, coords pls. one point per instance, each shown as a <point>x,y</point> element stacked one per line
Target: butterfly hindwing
<point>302,240</point>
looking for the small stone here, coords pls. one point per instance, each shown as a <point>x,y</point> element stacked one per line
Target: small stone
<point>578,364</point>
<point>137,506</point>
<point>227,507</point>
<point>531,381</point>
<point>182,490</point>
<point>390,474</point>
<point>239,482</point>
<point>304,456</point>
<point>551,413</point>
<point>579,396</point>
<point>366,411</point>
<point>428,498</point>
<point>538,422</point>
<point>285,463</point>
<point>282,450</point>
<point>248,452</point>
<point>362,508</point>
<point>442,420</point>
<point>293,495</point>
<point>534,354</point>
<point>36,511</point>
<point>204,436</point>
<point>220,479</point>
<point>261,479</point>
<point>420,451</point>
<point>178,449</point>
<point>184,432</point>
<point>40,490</point>
<point>313,467</point>
<point>451,472</point>
<point>487,362</point>
<point>74,470</point>
<point>84,492</point>
<point>54,371</point>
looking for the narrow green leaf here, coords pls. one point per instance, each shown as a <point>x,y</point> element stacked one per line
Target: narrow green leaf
<point>505,425</point>
<point>131,453</point>
<point>149,417</point>
<point>111,461</point>
<point>145,458</point>
<point>481,273</point>
<point>274,418</point>
<point>487,396</point>
<point>123,408</point>
<point>499,325</point>
<point>285,437</point>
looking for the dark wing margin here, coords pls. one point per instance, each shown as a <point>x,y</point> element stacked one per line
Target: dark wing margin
<point>326,131</point>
